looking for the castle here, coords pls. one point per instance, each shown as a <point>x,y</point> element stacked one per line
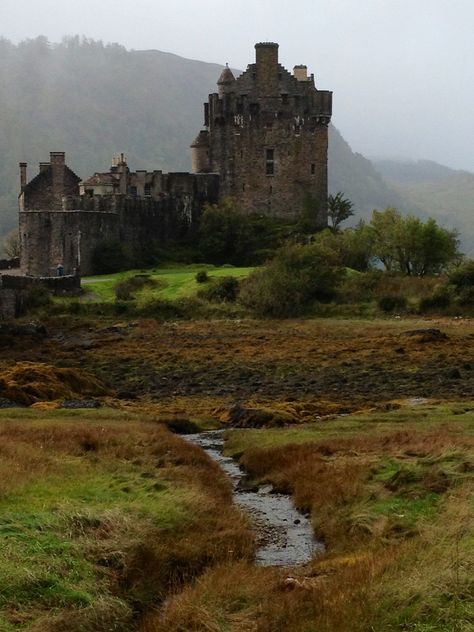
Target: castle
<point>264,145</point>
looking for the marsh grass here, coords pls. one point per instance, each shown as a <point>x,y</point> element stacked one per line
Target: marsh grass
<point>391,495</point>
<point>101,516</point>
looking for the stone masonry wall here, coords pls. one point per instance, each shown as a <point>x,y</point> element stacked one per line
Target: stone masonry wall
<point>69,237</point>
<point>269,115</point>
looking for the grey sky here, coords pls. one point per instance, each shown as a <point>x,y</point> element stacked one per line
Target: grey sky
<point>402,71</point>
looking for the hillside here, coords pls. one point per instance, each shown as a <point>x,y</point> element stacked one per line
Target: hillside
<point>437,190</point>
<point>93,100</point>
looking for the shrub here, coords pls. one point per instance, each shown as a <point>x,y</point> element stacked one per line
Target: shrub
<point>358,287</point>
<point>124,290</point>
<point>290,283</point>
<point>223,289</point>
<point>202,277</point>
<point>391,303</point>
<point>462,280</point>
<point>463,275</point>
<point>440,299</point>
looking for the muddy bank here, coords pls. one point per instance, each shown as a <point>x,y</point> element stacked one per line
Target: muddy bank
<point>284,535</point>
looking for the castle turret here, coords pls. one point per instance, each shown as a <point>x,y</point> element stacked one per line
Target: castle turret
<point>225,80</point>
<point>200,153</point>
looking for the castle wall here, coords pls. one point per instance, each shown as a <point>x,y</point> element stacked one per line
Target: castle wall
<point>69,237</point>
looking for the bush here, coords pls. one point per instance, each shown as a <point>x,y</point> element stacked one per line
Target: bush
<point>202,277</point>
<point>462,280</point>
<point>359,287</point>
<point>224,289</point>
<point>463,276</point>
<point>124,290</point>
<point>290,283</point>
<point>392,303</point>
<point>440,299</point>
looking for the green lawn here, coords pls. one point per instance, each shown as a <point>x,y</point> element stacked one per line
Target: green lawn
<point>173,283</point>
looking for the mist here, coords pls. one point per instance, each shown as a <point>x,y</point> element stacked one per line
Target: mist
<point>400,70</point>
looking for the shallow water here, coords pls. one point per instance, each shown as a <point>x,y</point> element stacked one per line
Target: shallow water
<point>285,534</point>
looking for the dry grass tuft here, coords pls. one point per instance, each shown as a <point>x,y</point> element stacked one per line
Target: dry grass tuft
<point>30,382</point>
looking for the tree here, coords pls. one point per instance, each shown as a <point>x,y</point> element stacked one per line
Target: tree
<point>339,209</point>
<point>408,245</point>
<point>352,247</point>
<point>11,245</point>
<point>228,236</point>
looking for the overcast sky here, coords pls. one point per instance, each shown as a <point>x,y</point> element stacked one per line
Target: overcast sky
<point>402,71</point>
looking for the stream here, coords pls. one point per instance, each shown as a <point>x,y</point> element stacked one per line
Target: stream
<point>285,535</point>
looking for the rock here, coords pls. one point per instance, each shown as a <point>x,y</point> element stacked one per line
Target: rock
<point>246,487</point>
<point>242,417</point>
<point>80,403</point>
<point>426,335</point>
<point>8,403</point>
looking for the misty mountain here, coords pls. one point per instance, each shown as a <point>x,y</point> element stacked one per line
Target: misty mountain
<point>93,100</point>
<point>436,190</point>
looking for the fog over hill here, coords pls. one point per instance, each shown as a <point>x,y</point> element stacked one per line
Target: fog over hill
<point>440,191</point>
<point>93,101</point>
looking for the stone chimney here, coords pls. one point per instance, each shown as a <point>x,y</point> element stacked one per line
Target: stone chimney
<point>23,166</point>
<point>43,166</point>
<point>123,170</point>
<point>301,73</point>
<point>266,62</point>
<point>58,164</point>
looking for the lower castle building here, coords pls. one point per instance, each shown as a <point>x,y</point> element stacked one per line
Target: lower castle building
<point>264,144</point>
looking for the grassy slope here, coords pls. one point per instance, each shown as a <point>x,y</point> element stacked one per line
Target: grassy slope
<point>87,499</point>
<point>173,282</point>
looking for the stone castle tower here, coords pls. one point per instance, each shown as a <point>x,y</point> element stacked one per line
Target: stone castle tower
<point>266,134</point>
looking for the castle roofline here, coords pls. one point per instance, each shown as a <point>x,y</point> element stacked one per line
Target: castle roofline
<point>266,45</point>
<point>226,76</point>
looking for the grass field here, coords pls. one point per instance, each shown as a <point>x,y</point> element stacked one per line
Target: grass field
<point>102,514</point>
<point>110,522</point>
<point>172,283</point>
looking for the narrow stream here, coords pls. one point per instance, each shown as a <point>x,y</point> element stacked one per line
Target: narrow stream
<point>285,535</point>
